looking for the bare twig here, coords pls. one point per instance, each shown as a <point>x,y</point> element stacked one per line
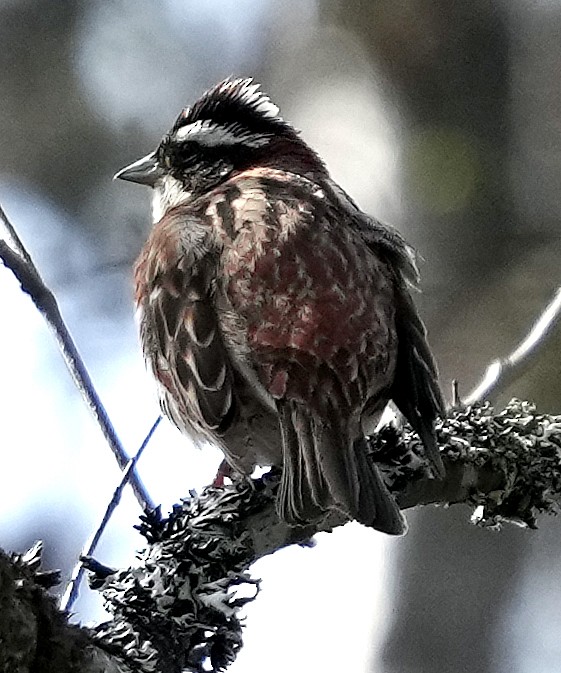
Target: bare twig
<point>16,240</point>
<point>73,587</point>
<point>505,371</point>
<point>456,399</point>
<point>23,268</point>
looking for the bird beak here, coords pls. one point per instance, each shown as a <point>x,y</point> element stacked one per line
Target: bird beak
<point>145,171</point>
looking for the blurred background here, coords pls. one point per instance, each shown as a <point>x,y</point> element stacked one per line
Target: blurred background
<point>442,117</point>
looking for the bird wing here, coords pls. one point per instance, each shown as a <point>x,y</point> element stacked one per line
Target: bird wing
<point>415,390</point>
<point>180,333</point>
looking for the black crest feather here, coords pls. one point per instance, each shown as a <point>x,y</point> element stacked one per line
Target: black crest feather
<point>236,103</point>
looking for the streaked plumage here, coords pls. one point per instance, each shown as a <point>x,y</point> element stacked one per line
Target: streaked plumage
<point>275,315</point>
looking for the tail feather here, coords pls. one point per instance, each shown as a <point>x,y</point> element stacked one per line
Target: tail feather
<point>323,469</point>
<point>376,506</point>
<point>306,434</point>
<point>297,502</point>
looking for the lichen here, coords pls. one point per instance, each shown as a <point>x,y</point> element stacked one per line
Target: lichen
<point>179,608</point>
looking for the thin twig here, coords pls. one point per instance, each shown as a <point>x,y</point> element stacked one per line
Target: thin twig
<point>23,268</point>
<point>73,587</point>
<point>18,244</point>
<point>456,399</point>
<point>505,371</point>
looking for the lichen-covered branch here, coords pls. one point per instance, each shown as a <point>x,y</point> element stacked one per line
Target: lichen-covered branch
<point>178,608</point>
<point>35,636</point>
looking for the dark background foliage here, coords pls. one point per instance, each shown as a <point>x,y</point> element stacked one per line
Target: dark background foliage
<point>443,118</point>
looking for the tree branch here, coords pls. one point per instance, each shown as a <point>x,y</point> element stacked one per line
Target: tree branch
<point>506,464</point>
<point>34,636</point>
<point>504,371</point>
<point>178,609</point>
<point>20,263</point>
<point>72,589</point>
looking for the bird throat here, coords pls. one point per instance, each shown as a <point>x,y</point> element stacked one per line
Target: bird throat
<point>168,193</point>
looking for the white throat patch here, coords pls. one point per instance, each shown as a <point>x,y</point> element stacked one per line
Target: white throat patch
<point>168,193</point>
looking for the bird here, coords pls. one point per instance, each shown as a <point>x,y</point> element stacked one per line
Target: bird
<point>278,318</point>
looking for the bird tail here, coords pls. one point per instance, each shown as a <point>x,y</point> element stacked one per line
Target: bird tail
<point>324,469</point>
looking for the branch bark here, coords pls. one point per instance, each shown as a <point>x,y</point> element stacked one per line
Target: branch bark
<point>34,635</point>
<point>178,608</point>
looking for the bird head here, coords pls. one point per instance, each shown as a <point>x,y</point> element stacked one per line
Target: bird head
<point>233,127</point>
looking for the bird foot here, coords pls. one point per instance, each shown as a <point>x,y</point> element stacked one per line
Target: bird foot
<point>225,470</point>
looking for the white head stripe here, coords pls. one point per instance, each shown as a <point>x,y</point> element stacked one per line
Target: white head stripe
<point>201,126</point>
<point>211,135</point>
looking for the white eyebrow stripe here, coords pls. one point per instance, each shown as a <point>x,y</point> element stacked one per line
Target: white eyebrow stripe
<point>196,128</point>
<point>209,134</point>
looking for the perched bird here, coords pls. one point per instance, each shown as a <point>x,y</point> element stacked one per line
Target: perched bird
<point>275,315</point>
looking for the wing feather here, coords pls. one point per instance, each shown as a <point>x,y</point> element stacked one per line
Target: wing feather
<point>415,390</point>
<point>184,344</point>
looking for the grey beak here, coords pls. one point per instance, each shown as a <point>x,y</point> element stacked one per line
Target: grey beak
<point>145,171</point>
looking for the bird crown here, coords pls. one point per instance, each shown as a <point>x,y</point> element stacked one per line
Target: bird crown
<point>236,106</point>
